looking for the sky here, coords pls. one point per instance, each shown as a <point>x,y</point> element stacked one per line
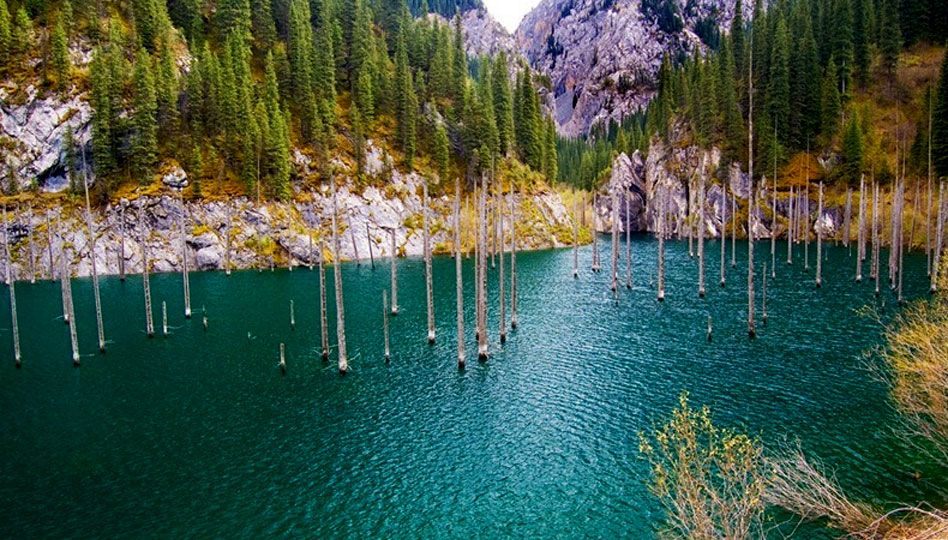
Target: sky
<point>509,12</point>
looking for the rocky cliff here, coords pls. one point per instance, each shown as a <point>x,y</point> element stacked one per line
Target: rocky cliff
<point>602,56</point>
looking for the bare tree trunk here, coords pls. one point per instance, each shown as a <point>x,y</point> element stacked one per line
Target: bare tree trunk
<point>847,218</point>
<point>482,233</point>
<point>595,261</point>
<point>615,243</point>
<point>32,250</point>
<point>355,246</point>
<point>901,248</point>
<point>292,316</point>
<point>501,277</point>
<point>918,191</point>
<point>459,283</point>
<point>164,319</point>
<point>819,240</point>
<point>12,281</point>
<point>95,273</point>
<point>576,239</point>
<point>773,226</point>
<point>227,242</point>
<point>149,323</point>
<point>394,275</point>
<point>893,232</point>
<point>368,239</point>
<point>690,221</point>
<point>928,219</point>
<point>49,246</point>
<point>790,225</point>
<point>806,216</point>
<point>936,261</point>
<point>513,258</point>
<point>427,249</point>
<point>750,201</point>
<point>312,252</point>
<point>733,230</point>
<point>628,243</point>
<point>73,334</point>
<point>184,266</point>
<point>875,237</point>
<point>723,235</point>
<point>660,218</point>
<point>388,351</point>
<point>121,261</point>
<point>700,232</point>
<point>861,233</point>
<point>337,275</point>
<point>323,322</point>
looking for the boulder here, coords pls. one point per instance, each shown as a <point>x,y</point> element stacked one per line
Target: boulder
<point>175,178</point>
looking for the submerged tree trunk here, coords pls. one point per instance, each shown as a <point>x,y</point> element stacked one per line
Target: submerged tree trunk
<point>847,217</point>
<point>121,232</point>
<point>427,249</point>
<point>513,258</point>
<point>49,246</point>
<point>806,218</point>
<point>459,283</point>
<point>595,261</point>
<point>95,273</point>
<point>763,292</point>
<point>368,240</point>
<point>184,266</point>
<point>939,230</point>
<point>700,232</point>
<point>773,225</point>
<point>861,233</point>
<point>164,319</point>
<point>337,278</point>
<point>660,218</point>
<point>73,334</point>
<point>733,230</point>
<point>11,279</point>
<point>819,240</point>
<point>323,323</point>
<point>615,243</point>
<point>227,242</point>
<point>388,351</point>
<point>501,274</point>
<point>628,244</point>
<point>723,232</point>
<point>918,191</point>
<point>482,255</point>
<point>750,202</point>
<point>875,236</point>
<point>32,253</point>
<point>790,225</point>
<point>575,239</point>
<point>394,274</point>
<point>149,323</point>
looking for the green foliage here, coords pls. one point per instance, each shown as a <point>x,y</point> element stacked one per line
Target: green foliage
<point>852,152</point>
<point>60,54</point>
<point>441,150</point>
<point>832,103</point>
<point>144,119</point>
<point>891,36</point>
<point>22,34</point>
<point>6,45</point>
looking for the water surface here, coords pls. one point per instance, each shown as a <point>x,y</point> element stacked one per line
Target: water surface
<point>198,434</point>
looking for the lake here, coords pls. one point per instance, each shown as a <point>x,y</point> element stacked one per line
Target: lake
<point>199,435</point>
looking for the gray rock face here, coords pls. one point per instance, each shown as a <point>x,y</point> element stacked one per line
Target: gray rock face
<point>603,57</point>
<point>36,127</point>
<point>627,182</point>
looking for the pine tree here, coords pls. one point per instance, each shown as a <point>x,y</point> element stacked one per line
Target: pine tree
<point>361,61</point>
<point>861,41</point>
<point>60,54</point>
<point>778,94</point>
<point>262,23</point>
<point>852,151</point>
<point>807,100</point>
<point>233,18</point>
<point>358,138</point>
<point>324,69</point>
<point>103,113</point>
<point>277,143</point>
<point>737,39</point>
<point>503,102</point>
<point>441,150</point>
<point>301,56</point>
<point>733,122</point>
<point>831,102</point>
<point>21,38</point>
<point>404,100</point>
<point>186,14</point>
<point>551,165</point>
<point>5,31</point>
<point>891,36</point>
<point>843,44</point>
<point>167,94</point>
<point>940,123</point>
<point>459,68</point>
<point>145,139</point>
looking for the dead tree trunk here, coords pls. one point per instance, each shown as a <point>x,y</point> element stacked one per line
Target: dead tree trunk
<point>394,275</point>
<point>595,261</point>
<point>628,243</point>
<point>67,286</point>
<point>143,239</point>
<point>806,217</point>
<point>164,319</point>
<point>575,239</point>
<point>501,275</point>
<point>750,202</point>
<point>427,249</point>
<point>95,273</point>
<point>790,224</point>
<point>733,230</point>
<point>615,243</point>
<point>184,265</point>
<point>482,256</point>
<point>368,240</point>
<point>121,261</point>
<point>763,291</point>
<point>355,246</point>
<point>660,218</point>
<point>861,233</point>
<point>32,250</point>
<point>49,246</point>
<point>819,240</point>
<point>773,225</point>
<point>388,351</point>
<point>459,283</point>
<point>918,191</point>
<point>939,230</point>
<point>513,258</point>
<point>700,232</point>
<point>11,279</point>
<point>847,217</point>
<point>875,236</point>
<point>337,278</point>
<point>323,322</point>
<point>227,242</point>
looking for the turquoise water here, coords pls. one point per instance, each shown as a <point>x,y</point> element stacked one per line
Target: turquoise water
<point>199,435</point>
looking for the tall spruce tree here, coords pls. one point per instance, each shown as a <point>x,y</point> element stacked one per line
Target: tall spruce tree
<point>778,93</point>
<point>831,101</point>
<point>144,119</point>
<point>852,152</point>
<point>503,102</point>
<point>5,32</point>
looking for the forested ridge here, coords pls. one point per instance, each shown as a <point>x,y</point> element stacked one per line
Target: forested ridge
<point>830,77</point>
<point>231,90</point>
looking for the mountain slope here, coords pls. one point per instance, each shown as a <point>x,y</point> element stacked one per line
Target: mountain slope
<point>602,56</point>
